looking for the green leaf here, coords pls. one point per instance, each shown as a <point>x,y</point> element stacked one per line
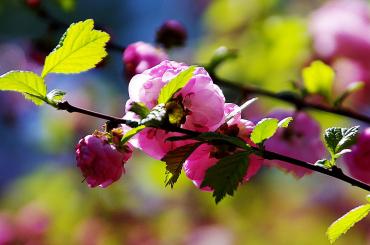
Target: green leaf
<point>264,129</point>
<point>221,55</point>
<point>338,139</point>
<point>140,109</point>
<point>225,176</point>
<point>31,85</point>
<point>368,198</point>
<point>175,85</point>
<point>67,5</point>
<point>285,122</point>
<point>131,133</point>
<point>213,137</point>
<point>80,49</point>
<point>343,224</point>
<point>318,78</point>
<point>175,159</point>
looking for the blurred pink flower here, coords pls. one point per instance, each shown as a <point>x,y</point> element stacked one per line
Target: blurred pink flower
<point>300,140</point>
<point>206,156</point>
<point>7,229</point>
<point>141,56</point>
<point>358,161</point>
<point>201,100</point>
<point>342,28</point>
<point>101,163</point>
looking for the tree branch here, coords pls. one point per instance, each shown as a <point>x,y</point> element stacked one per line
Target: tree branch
<point>334,172</point>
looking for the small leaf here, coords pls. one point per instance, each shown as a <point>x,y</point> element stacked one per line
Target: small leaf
<point>140,109</point>
<point>264,129</point>
<point>342,152</point>
<point>67,5</point>
<point>220,55</point>
<point>338,139</point>
<point>31,85</point>
<point>318,79</point>
<point>343,224</point>
<point>79,50</point>
<point>225,176</point>
<point>175,85</point>
<point>213,137</point>
<point>285,122</point>
<point>351,88</point>
<point>240,109</point>
<point>131,133</point>
<point>175,159</point>
<point>368,198</point>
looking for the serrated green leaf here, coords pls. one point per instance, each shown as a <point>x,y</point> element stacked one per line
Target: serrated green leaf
<point>175,159</point>
<point>343,224</point>
<point>338,139</point>
<point>175,85</point>
<point>31,85</point>
<point>131,133</point>
<point>285,122</point>
<point>318,78</point>
<point>225,176</point>
<point>213,137</point>
<point>139,109</point>
<point>264,129</point>
<point>80,49</point>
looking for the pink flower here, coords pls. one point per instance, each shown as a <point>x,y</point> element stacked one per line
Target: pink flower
<point>206,155</point>
<point>342,28</point>
<point>101,163</point>
<point>141,56</point>
<point>300,140</point>
<point>202,103</point>
<point>358,161</point>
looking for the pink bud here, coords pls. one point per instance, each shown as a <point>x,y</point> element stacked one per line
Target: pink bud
<point>171,34</point>
<point>141,56</point>
<point>358,161</point>
<point>101,163</point>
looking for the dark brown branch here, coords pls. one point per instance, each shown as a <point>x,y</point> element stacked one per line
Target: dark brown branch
<point>290,98</point>
<point>334,172</point>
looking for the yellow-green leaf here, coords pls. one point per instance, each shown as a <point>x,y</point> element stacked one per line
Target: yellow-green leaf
<point>344,223</point>
<point>264,130</point>
<point>79,50</point>
<point>175,85</point>
<point>31,85</point>
<point>318,79</point>
<point>131,133</point>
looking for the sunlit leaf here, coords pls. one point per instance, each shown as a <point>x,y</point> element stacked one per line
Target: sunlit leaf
<point>318,79</point>
<point>343,224</point>
<point>264,129</point>
<point>31,85</point>
<point>131,133</point>
<point>285,122</point>
<point>80,49</point>
<point>175,85</point>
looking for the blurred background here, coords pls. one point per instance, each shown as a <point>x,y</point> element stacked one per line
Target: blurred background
<point>42,197</point>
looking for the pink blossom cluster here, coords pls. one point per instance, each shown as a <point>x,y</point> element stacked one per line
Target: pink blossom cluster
<point>341,37</point>
<point>201,107</point>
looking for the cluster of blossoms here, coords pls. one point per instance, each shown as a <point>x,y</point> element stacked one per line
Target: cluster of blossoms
<point>199,106</point>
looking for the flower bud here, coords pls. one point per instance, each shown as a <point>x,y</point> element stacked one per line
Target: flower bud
<point>141,56</point>
<point>358,161</point>
<point>171,34</point>
<point>101,163</point>
<point>33,3</point>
